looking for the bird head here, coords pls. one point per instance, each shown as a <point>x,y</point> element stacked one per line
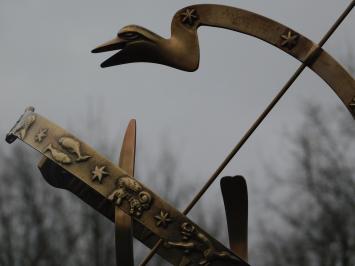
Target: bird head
<point>137,44</point>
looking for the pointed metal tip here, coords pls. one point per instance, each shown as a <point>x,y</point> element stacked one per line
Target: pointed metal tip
<point>96,50</point>
<point>103,65</point>
<point>132,122</point>
<point>30,109</point>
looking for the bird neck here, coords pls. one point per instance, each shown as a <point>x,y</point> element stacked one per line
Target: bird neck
<point>182,48</point>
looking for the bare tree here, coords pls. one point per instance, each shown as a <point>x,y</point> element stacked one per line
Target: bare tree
<point>177,187</point>
<point>41,225</point>
<point>318,215</point>
<point>32,218</point>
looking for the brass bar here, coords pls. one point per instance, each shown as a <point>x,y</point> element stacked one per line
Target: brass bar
<point>110,185</point>
<point>256,124</point>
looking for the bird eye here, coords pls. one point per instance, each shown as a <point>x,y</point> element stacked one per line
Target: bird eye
<point>129,35</point>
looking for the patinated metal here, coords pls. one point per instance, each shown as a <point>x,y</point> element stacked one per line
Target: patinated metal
<point>184,241</point>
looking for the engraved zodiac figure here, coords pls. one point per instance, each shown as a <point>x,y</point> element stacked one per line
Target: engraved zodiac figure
<point>21,131</point>
<point>58,155</point>
<point>195,240</point>
<point>73,146</point>
<point>131,190</point>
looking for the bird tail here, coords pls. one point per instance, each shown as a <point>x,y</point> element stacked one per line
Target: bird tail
<point>48,148</point>
<point>83,158</point>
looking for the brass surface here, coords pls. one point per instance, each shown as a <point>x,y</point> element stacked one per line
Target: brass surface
<point>184,241</point>
<point>235,197</point>
<point>124,230</point>
<point>181,51</point>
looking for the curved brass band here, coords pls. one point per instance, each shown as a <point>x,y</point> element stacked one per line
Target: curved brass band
<point>324,65</point>
<point>181,51</point>
<point>184,241</point>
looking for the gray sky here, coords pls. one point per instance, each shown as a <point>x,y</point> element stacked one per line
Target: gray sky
<point>46,62</point>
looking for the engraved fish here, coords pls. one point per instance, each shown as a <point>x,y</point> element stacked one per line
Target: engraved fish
<point>73,146</point>
<point>58,155</point>
<point>21,131</point>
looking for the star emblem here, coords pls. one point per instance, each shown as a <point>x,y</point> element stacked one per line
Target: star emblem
<point>189,16</point>
<point>163,219</point>
<point>41,135</point>
<point>289,40</point>
<point>99,173</point>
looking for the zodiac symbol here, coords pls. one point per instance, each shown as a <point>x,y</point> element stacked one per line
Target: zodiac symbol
<point>73,146</point>
<point>194,240</point>
<point>21,131</point>
<point>132,191</point>
<point>57,155</point>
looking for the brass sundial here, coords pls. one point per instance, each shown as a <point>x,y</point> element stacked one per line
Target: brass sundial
<point>113,191</point>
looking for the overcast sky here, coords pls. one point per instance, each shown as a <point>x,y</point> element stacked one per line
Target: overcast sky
<point>45,61</point>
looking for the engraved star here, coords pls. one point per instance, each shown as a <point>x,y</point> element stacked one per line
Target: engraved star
<point>99,173</point>
<point>41,135</point>
<point>163,219</point>
<point>289,40</point>
<point>189,16</point>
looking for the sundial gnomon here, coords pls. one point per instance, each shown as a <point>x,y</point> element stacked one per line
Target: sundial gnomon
<point>112,190</point>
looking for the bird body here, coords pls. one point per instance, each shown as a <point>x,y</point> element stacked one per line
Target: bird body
<point>23,128</point>
<point>138,44</point>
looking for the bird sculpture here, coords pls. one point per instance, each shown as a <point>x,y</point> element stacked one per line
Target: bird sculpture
<point>181,50</point>
<point>137,44</point>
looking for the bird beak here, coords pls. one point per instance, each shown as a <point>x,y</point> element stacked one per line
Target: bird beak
<point>113,45</point>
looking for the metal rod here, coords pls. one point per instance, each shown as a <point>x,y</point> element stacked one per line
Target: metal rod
<point>256,124</point>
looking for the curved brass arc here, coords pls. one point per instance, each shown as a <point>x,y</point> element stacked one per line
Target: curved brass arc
<point>270,31</point>
<point>181,51</point>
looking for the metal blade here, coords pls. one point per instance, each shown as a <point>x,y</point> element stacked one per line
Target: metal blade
<point>235,197</point>
<point>124,233</point>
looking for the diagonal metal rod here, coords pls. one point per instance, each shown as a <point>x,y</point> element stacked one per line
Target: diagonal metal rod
<point>312,56</point>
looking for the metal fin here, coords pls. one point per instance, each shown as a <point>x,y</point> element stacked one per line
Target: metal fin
<point>235,197</point>
<point>123,232</point>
